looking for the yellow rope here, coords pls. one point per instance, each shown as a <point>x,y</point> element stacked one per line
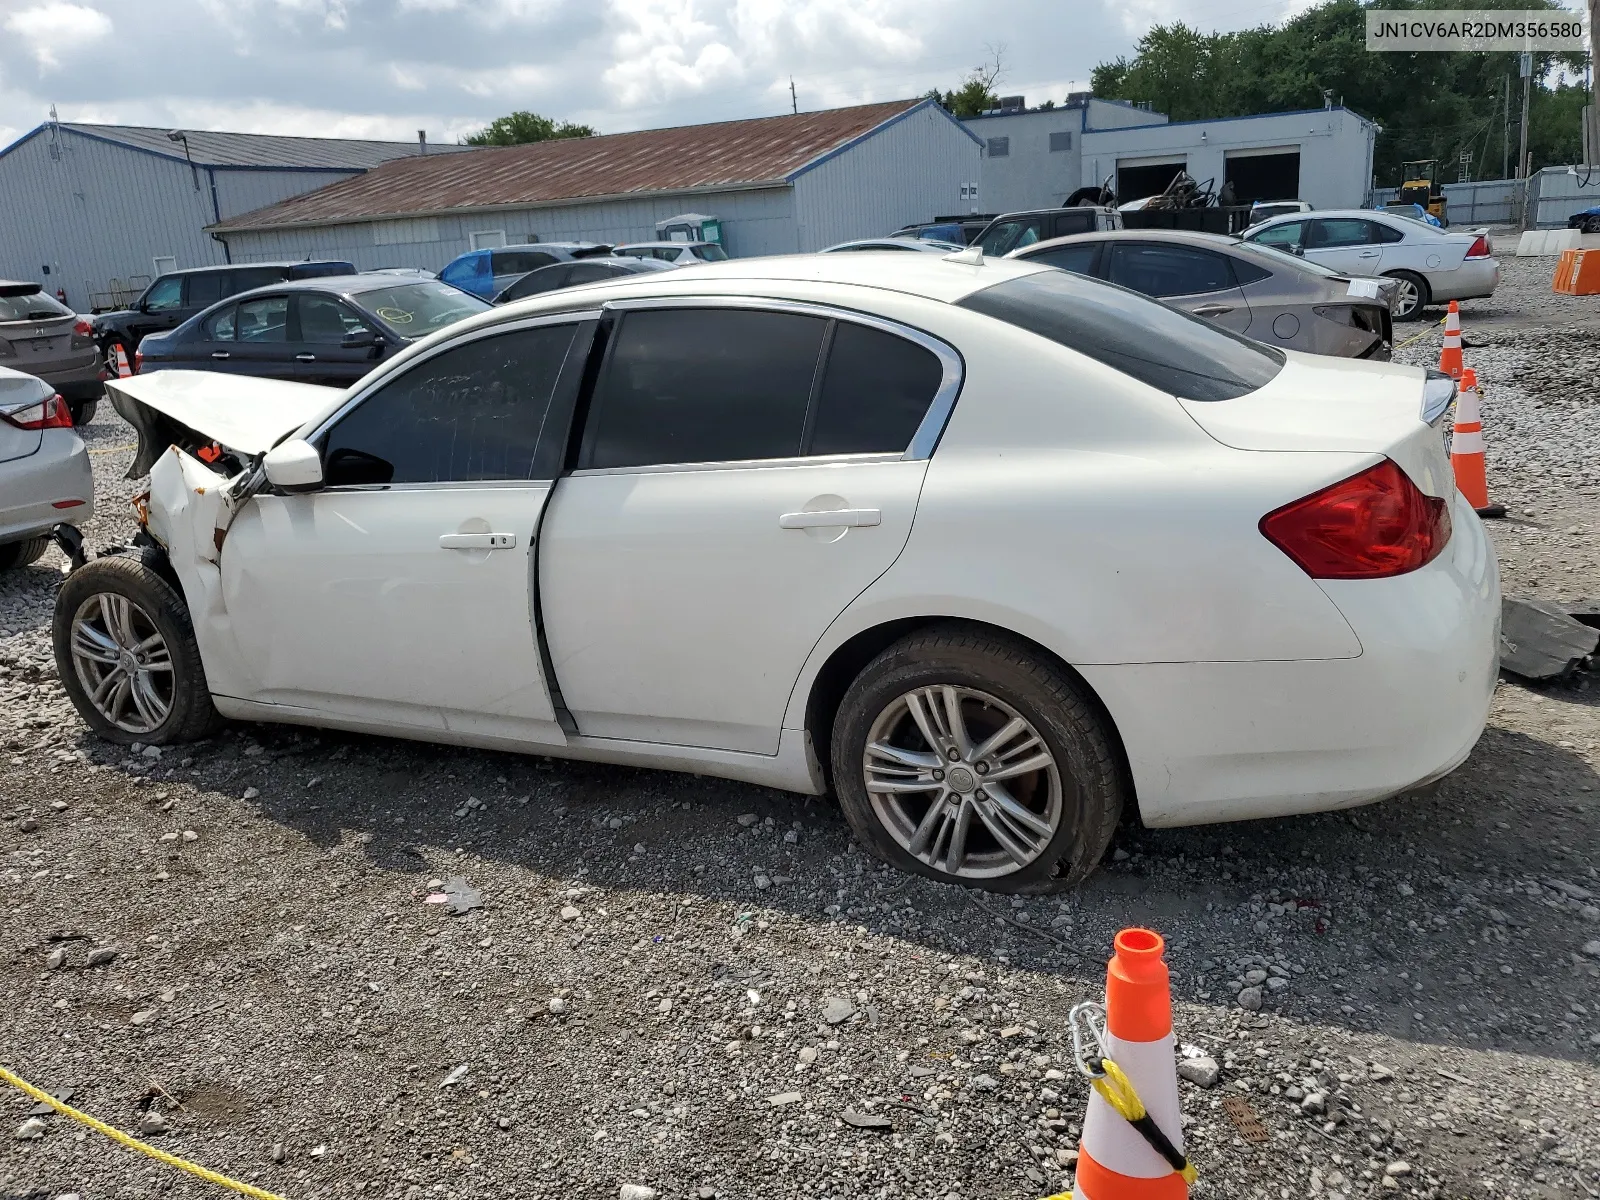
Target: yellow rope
<point>116,1135</point>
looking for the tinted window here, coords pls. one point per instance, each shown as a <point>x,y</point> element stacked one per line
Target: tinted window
<point>518,262</point>
<point>704,385</point>
<point>1157,269</point>
<point>1078,258</point>
<point>202,291</point>
<point>1006,236</point>
<point>34,306</point>
<point>314,270</point>
<point>1080,220</point>
<point>219,326</point>
<point>590,272</point>
<point>711,253</point>
<point>474,412</point>
<point>164,294</point>
<point>876,389</point>
<point>264,320</point>
<point>1286,234</point>
<point>252,277</point>
<point>1147,341</point>
<point>1246,271</point>
<point>1385,234</point>
<point>324,320</point>
<point>1330,233</point>
<point>543,280</point>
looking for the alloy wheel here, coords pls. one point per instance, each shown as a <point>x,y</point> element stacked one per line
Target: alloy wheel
<point>122,662</point>
<point>962,781</point>
<point>1406,298</point>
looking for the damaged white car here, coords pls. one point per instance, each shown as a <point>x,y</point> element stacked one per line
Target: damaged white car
<point>990,550</point>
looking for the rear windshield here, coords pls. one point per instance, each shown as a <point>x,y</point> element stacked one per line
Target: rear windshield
<point>1170,350</point>
<point>35,306</point>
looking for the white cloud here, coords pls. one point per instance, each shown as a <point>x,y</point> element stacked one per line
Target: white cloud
<point>52,27</point>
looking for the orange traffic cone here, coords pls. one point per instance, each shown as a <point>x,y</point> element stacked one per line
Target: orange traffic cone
<point>1132,1146</point>
<point>1467,449</point>
<point>120,358</point>
<point>1450,357</point>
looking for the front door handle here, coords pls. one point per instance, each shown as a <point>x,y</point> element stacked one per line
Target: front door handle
<point>1368,254</point>
<point>477,541</point>
<point>1212,310</point>
<point>305,358</point>
<point>220,354</point>
<point>854,518</point>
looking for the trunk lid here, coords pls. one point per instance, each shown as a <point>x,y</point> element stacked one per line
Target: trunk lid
<point>194,408</point>
<point>38,342</point>
<point>1339,404</point>
<point>19,391</point>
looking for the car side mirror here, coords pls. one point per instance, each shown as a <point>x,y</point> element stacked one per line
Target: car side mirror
<point>1297,248</point>
<point>294,466</point>
<point>359,339</point>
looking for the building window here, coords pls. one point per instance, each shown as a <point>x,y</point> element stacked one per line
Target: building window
<point>999,147</point>
<point>486,239</point>
<point>1061,140</point>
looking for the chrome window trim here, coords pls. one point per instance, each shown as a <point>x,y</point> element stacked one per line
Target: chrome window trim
<point>929,431</point>
<point>743,464</point>
<point>451,485</point>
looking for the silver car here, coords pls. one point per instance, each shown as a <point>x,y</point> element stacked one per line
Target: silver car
<point>1269,295</point>
<point>42,336</point>
<point>45,479</point>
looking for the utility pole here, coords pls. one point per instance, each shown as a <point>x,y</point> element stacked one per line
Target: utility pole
<point>794,101</point>
<point>1505,134</point>
<point>1527,87</point>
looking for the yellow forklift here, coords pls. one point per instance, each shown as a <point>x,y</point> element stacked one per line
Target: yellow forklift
<point>1419,184</point>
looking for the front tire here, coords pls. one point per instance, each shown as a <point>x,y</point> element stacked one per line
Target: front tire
<point>126,654</point>
<point>1413,297</point>
<point>964,757</point>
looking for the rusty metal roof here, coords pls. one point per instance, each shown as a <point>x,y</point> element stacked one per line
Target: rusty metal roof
<point>688,158</point>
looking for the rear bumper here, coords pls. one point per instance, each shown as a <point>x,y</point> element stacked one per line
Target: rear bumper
<point>1472,280</point>
<point>30,488</point>
<point>1211,742</point>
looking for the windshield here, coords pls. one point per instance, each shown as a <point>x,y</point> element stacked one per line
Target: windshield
<point>418,309</point>
<point>34,306</point>
<point>1170,350</point>
<point>1002,238</point>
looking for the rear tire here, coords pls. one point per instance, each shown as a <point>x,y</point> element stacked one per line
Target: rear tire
<point>126,654</point>
<point>83,411</point>
<point>1030,812</point>
<point>1413,298</point>
<point>16,555</point>
<point>1591,225</point>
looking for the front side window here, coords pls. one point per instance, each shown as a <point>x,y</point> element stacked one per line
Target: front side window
<point>876,388</point>
<point>1288,234</point>
<point>1158,269</point>
<point>1144,339</point>
<point>325,321</point>
<point>472,412</point>
<point>263,320</point>
<point>219,326</point>
<point>703,385</point>
<point>164,294</point>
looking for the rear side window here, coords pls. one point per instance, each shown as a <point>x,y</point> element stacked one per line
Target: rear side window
<point>475,412</point>
<point>1383,233</point>
<point>1148,341</point>
<point>1078,259</point>
<point>203,290</point>
<point>876,389</point>
<point>1080,220</point>
<point>704,385</point>
<point>1247,272</point>
<point>245,279</point>
<point>317,270</point>
<point>1331,232</point>
<point>264,320</point>
<point>592,272</point>
<point>219,326</point>
<point>1160,269</point>
<point>518,262</point>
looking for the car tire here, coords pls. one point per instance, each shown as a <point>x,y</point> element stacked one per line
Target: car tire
<point>1591,225</point>
<point>15,555</point>
<point>83,411</point>
<point>1413,298</point>
<point>126,653</point>
<point>111,355</point>
<point>1072,804</point>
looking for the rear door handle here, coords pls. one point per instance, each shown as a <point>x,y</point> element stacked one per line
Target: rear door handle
<point>305,358</point>
<point>220,354</point>
<point>477,541</point>
<point>1212,310</point>
<point>1368,254</point>
<point>854,518</point>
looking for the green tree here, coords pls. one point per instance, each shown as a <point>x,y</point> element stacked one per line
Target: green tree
<point>1428,105</point>
<point>520,128</point>
<point>976,94</point>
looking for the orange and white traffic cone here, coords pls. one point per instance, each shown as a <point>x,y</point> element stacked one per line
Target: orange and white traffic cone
<point>1132,1146</point>
<point>1467,457</point>
<point>120,358</point>
<point>1450,357</point>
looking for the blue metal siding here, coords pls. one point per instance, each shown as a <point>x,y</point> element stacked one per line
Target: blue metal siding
<point>754,222</point>
<point>909,170</point>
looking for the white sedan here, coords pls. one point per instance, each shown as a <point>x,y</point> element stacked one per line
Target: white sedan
<point>990,550</point>
<point>1432,265</point>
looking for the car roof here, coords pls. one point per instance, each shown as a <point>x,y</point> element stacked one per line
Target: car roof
<point>535,246</point>
<point>925,245</point>
<point>340,285</point>
<point>1185,237</point>
<point>654,245</point>
<point>299,262</point>
<point>18,287</point>
<point>1392,220</point>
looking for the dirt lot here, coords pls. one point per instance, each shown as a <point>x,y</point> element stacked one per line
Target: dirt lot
<point>701,987</point>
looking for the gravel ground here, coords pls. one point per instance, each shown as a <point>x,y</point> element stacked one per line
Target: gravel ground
<point>702,988</point>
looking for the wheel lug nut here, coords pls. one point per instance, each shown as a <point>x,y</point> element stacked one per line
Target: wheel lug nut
<point>983,768</point>
<point>954,754</point>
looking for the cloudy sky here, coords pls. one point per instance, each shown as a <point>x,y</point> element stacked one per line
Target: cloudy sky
<point>386,68</point>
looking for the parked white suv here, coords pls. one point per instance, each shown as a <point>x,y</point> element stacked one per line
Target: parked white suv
<point>990,549</point>
<point>45,479</point>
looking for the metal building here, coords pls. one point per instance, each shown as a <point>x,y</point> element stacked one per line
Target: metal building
<point>778,185</point>
<point>99,210</point>
<point>1038,157</point>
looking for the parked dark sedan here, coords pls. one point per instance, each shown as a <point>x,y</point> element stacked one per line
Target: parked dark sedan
<point>330,331</point>
<point>570,274</point>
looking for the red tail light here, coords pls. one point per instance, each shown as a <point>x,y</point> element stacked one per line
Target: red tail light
<point>1479,248</point>
<point>1373,525</point>
<point>82,328</point>
<point>47,414</point>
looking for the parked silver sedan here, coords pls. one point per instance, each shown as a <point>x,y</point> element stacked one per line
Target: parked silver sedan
<point>45,480</point>
<point>42,336</point>
<point>1266,294</point>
